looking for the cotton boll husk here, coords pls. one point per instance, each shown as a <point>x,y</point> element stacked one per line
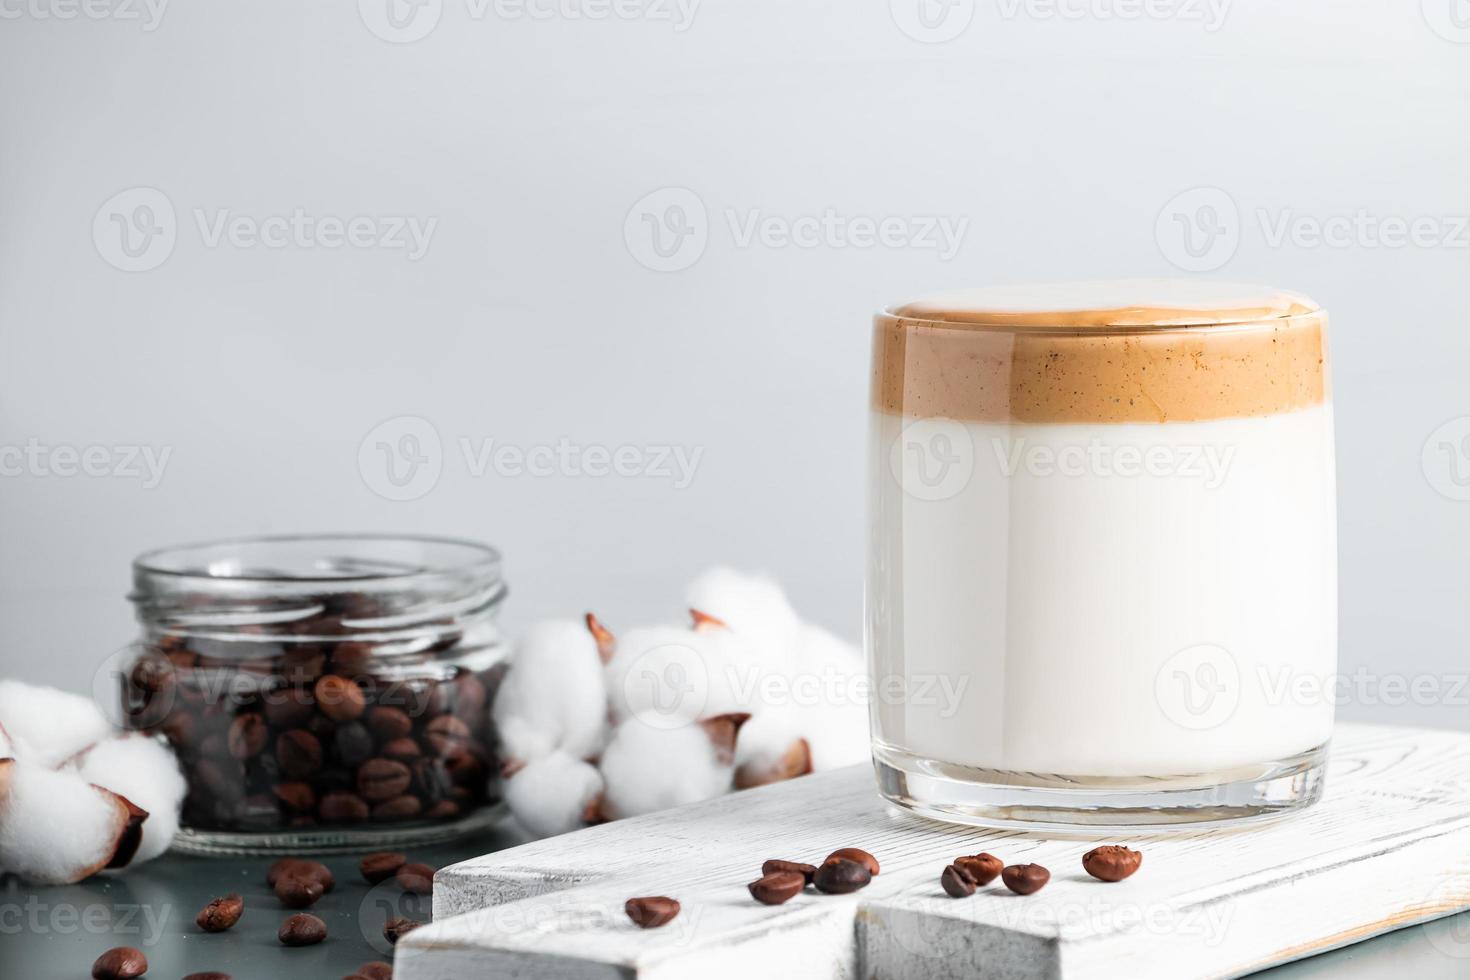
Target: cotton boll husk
<point>48,726</point>
<point>551,794</point>
<point>669,672</point>
<point>56,828</point>
<point>752,606</point>
<point>646,769</point>
<point>143,770</point>
<point>771,748</point>
<point>553,695</point>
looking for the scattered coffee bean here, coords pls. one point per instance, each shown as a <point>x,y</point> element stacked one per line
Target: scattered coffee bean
<point>777,887</point>
<point>1025,879</point>
<point>339,698</point>
<point>984,868</point>
<point>121,963</point>
<point>396,928</point>
<point>209,976</point>
<point>652,912</point>
<point>375,971</point>
<point>416,879</point>
<point>221,914</point>
<point>299,752</point>
<point>805,870</point>
<point>302,930</point>
<point>298,889</point>
<point>280,867</point>
<point>957,882</point>
<point>379,867</point>
<point>1111,862</point>
<point>860,856</point>
<point>383,779</point>
<point>247,737</point>
<point>839,876</point>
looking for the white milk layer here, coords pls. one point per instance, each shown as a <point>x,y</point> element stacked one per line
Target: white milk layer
<point>1104,599</point>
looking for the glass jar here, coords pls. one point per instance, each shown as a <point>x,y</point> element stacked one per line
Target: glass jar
<point>1102,580</point>
<point>321,692</point>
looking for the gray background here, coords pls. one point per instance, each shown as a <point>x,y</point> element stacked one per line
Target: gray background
<point>1064,141</point>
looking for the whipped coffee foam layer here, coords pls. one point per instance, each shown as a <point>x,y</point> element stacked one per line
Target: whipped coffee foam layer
<point>1136,351</point>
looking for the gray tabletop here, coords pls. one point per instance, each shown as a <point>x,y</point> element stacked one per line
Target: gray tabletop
<point>57,932</point>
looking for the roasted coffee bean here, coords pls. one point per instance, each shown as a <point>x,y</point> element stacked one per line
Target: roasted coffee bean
<point>353,744</point>
<point>399,808</point>
<point>209,976</point>
<point>297,889</point>
<point>838,876</point>
<point>248,735</point>
<point>467,770</point>
<point>984,868</point>
<point>339,698</point>
<point>302,930</point>
<point>153,673</point>
<point>382,779</point>
<point>289,707</point>
<point>336,779</point>
<point>221,914</point>
<point>446,734</point>
<point>389,723</point>
<point>957,882</point>
<point>443,810</point>
<point>1025,879</point>
<point>120,963</point>
<point>651,912</point>
<point>416,879</point>
<point>352,658</point>
<point>302,664</point>
<point>396,928</point>
<point>301,866</point>
<point>1111,862</point>
<point>860,856</point>
<point>805,870</point>
<point>375,971</point>
<point>379,867</point>
<point>403,750</point>
<point>296,796</point>
<point>299,753</point>
<point>342,808</point>
<point>324,728</point>
<point>777,887</point>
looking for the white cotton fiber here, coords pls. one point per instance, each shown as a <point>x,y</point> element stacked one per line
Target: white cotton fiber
<point>48,726</point>
<point>767,746</point>
<point>7,748</point>
<point>668,673</point>
<point>647,769</point>
<point>553,695</point>
<point>551,794</point>
<point>752,606</point>
<point>145,771</point>
<point>55,828</point>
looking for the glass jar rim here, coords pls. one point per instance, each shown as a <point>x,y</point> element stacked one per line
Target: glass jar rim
<point>478,560</point>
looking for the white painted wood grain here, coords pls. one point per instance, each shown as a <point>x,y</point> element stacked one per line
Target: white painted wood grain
<point>1387,847</point>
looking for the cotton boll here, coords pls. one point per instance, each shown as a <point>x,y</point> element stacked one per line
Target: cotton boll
<point>553,695</point>
<point>7,748</point>
<point>818,650</point>
<point>771,749</point>
<point>838,736</point>
<point>550,795</point>
<point>669,675</point>
<point>752,606</point>
<point>647,769</point>
<point>56,828</point>
<point>144,771</point>
<point>48,726</point>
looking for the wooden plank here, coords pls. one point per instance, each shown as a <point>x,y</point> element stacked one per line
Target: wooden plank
<point>1388,846</point>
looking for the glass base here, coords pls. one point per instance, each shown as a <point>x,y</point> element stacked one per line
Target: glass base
<point>1087,804</point>
<point>331,840</point>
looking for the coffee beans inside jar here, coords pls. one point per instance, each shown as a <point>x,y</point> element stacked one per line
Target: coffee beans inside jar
<point>320,683</point>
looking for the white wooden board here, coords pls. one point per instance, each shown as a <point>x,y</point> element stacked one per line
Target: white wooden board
<point>1389,846</point>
